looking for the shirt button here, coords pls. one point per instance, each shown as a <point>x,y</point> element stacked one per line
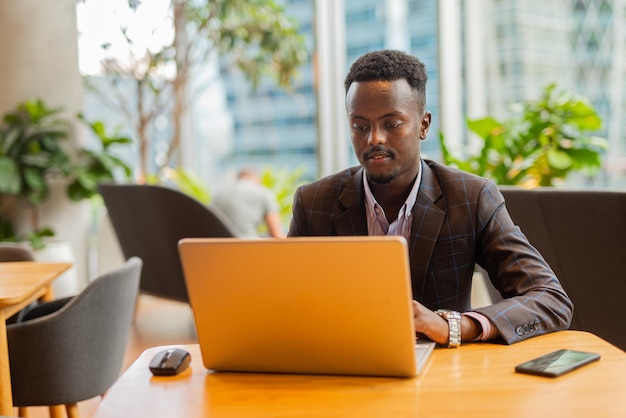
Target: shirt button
<point>519,331</point>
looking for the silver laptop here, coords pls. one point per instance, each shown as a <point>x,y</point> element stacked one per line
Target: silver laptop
<point>310,305</point>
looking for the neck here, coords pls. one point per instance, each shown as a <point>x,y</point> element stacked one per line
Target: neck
<point>391,196</point>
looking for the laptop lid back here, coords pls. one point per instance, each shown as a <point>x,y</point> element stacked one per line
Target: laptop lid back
<point>313,305</point>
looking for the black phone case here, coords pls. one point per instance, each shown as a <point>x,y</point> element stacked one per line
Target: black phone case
<point>557,363</point>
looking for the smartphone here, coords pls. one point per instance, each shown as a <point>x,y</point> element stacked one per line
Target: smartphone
<point>557,363</point>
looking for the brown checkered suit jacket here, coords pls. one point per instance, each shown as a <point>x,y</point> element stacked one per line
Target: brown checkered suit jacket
<point>459,220</point>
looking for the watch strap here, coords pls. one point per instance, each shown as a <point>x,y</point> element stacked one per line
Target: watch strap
<point>454,326</point>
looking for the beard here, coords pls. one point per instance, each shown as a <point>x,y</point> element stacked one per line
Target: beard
<point>382,178</point>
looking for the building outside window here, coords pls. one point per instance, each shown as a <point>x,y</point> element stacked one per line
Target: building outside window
<point>507,54</point>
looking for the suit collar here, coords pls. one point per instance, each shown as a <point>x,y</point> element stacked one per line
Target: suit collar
<point>353,221</point>
<point>352,192</point>
<point>428,219</point>
<point>430,187</point>
<point>427,214</point>
<point>352,198</point>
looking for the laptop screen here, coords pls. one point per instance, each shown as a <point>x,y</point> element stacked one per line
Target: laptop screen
<point>324,305</point>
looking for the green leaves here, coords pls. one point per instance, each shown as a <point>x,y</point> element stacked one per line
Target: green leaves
<point>10,181</point>
<point>542,143</point>
<point>186,182</point>
<point>94,166</point>
<point>284,183</point>
<point>37,238</point>
<point>255,36</point>
<point>32,150</point>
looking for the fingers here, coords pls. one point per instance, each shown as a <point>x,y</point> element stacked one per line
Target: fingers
<point>416,307</point>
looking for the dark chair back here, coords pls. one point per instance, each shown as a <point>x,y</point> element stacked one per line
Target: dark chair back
<point>149,221</point>
<point>15,252</point>
<point>582,235</point>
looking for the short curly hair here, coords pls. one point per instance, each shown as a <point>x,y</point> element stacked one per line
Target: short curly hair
<point>389,65</point>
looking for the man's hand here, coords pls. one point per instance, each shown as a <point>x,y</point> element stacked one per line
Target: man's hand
<point>429,324</point>
<point>435,328</point>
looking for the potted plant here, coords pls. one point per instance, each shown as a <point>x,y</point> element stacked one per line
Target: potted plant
<point>33,150</point>
<point>540,145</point>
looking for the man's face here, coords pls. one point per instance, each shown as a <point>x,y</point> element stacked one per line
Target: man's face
<point>387,123</point>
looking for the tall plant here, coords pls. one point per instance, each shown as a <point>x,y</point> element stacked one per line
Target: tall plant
<point>253,35</point>
<point>543,142</point>
<point>33,149</point>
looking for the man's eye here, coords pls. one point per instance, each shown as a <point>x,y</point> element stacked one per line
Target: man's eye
<point>359,127</point>
<point>394,124</point>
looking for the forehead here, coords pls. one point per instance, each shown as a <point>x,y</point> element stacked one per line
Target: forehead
<point>379,95</point>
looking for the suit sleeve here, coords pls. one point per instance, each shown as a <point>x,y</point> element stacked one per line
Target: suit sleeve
<point>534,301</point>
<point>297,224</point>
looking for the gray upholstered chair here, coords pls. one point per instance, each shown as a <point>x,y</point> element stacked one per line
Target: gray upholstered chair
<point>582,235</point>
<point>71,350</point>
<point>149,221</point>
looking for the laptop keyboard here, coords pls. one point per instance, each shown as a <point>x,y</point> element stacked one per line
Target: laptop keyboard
<point>423,350</point>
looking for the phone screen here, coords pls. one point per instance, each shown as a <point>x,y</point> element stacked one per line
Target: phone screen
<point>557,363</point>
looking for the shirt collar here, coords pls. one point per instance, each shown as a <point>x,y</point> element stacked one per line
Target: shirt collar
<point>406,210</point>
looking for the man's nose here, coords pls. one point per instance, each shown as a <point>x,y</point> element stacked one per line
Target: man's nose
<point>376,137</point>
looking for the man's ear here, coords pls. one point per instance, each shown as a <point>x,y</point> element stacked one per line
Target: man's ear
<point>425,125</point>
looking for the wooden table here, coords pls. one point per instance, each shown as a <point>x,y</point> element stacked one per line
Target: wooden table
<point>476,380</point>
<point>20,284</point>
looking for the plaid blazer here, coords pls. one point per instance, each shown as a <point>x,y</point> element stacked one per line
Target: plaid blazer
<point>459,220</point>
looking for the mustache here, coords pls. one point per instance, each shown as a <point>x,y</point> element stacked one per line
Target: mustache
<point>378,152</point>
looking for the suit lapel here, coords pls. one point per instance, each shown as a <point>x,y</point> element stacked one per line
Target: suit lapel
<point>427,221</point>
<point>427,216</point>
<point>353,220</point>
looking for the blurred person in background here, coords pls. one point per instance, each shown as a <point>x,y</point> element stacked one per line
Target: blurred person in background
<point>248,204</point>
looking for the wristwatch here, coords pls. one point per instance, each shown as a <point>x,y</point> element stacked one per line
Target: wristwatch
<point>454,324</point>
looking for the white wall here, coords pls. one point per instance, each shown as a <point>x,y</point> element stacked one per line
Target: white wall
<point>39,59</point>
